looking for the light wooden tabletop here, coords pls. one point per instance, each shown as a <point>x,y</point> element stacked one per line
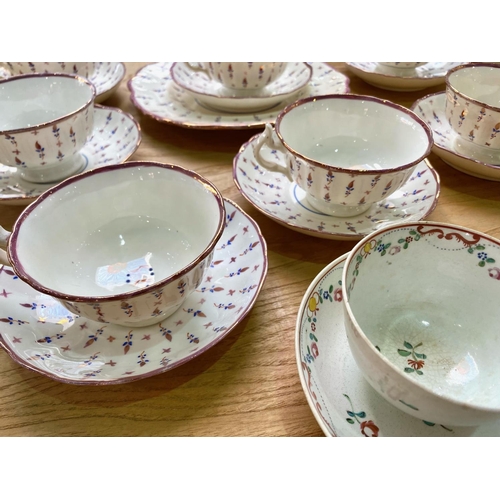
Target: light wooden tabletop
<point>247,384</point>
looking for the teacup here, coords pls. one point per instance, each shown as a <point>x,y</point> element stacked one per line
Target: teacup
<point>85,69</point>
<point>242,76</point>
<point>473,110</point>
<point>46,120</point>
<point>421,316</point>
<point>124,244</point>
<point>346,151</point>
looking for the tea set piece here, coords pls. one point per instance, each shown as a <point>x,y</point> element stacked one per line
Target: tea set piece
<point>143,245</point>
<point>106,76</point>
<point>116,135</point>
<point>431,108</point>
<point>421,317</point>
<point>405,80</point>
<point>210,90</point>
<point>341,400</point>
<point>285,202</point>
<point>42,335</point>
<point>155,94</point>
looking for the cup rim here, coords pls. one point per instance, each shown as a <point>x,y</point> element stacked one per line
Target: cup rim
<point>356,97</point>
<point>24,276</point>
<point>366,341</point>
<point>88,103</point>
<point>465,96</point>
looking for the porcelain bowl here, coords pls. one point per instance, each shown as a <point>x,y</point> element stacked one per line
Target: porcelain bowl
<point>421,316</point>
<point>123,244</point>
<point>403,65</point>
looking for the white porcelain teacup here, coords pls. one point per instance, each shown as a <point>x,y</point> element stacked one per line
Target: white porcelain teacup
<point>473,110</point>
<point>346,151</point>
<point>46,120</point>
<point>124,244</point>
<point>85,69</point>
<point>242,76</point>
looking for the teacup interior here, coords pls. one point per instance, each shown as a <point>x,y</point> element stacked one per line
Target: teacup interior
<point>36,99</point>
<point>353,133</point>
<point>431,309</point>
<point>118,230</point>
<point>481,83</point>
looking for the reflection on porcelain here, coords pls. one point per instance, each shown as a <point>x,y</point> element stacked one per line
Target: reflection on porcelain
<point>283,201</point>
<point>76,350</point>
<point>473,110</point>
<point>46,121</point>
<point>422,341</point>
<point>384,77</point>
<point>341,400</point>
<point>431,109</point>
<point>130,210</point>
<point>156,95</point>
<point>214,95</point>
<point>346,152</point>
<point>115,137</point>
<point>105,76</point>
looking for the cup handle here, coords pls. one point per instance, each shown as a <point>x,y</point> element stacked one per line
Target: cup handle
<point>4,238</point>
<point>268,138</point>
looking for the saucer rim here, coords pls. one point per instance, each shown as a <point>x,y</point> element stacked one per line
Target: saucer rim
<point>125,380</point>
<point>330,235</point>
<point>121,69</point>
<point>407,78</point>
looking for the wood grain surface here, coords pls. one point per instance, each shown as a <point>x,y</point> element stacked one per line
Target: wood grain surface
<point>248,384</point>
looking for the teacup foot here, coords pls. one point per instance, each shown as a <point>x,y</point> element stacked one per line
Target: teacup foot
<point>337,210</point>
<point>476,152</point>
<point>55,172</point>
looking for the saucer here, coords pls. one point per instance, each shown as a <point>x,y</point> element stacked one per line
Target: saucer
<point>283,201</point>
<point>156,95</point>
<point>342,401</point>
<point>431,109</point>
<point>213,94</point>
<point>384,77</point>
<point>43,336</point>
<point>115,138</point>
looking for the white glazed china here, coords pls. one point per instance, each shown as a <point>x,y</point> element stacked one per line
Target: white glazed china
<point>241,76</point>
<point>46,120</point>
<point>43,336</point>
<point>106,76</point>
<point>340,398</point>
<point>214,95</point>
<point>384,77</point>
<point>283,201</point>
<point>473,110</point>
<point>421,315</point>
<point>156,95</point>
<point>431,108</point>
<point>346,152</point>
<point>403,65</point>
<point>115,138</point>
<point>85,69</point>
<point>133,241</point>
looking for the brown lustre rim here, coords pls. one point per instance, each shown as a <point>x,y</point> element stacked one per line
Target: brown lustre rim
<point>355,97</point>
<point>88,103</point>
<point>465,96</point>
<point>22,274</point>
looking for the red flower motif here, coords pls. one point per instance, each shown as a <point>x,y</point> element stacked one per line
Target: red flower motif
<point>314,349</point>
<point>417,365</point>
<point>337,295</point>
<point>372,428</point>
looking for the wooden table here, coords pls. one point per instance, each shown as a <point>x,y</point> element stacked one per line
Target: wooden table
<point>248,384</point>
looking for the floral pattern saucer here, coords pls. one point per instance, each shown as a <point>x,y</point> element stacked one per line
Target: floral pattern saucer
<point>116,137</point>
<point>384,77</point>
<point>155,94</point>
<point>342,401</point>
<point>283,201</point>
<point>431,109</point>
<point>45,337</point>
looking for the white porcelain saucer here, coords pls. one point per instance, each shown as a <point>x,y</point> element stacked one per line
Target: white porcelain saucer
<point>283,201</point>
<point>431,109</point>
<point>211,93</point>
<point>342,401</point>
<point>41,335</point>
<point>384,77</point>
<point>116,137</point>
<point>156,95</point>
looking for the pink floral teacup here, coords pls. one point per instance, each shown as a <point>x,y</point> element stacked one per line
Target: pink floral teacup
<point>85,69</point>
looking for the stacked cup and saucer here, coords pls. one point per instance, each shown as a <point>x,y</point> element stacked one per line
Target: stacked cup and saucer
<point>235,87</point>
